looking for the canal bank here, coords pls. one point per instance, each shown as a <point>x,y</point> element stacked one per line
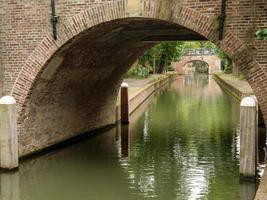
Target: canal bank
<point>237,88</point>
<point>160,155</point>
<point>140,90</point>
<point>240,89</point>
<point>234,86</point>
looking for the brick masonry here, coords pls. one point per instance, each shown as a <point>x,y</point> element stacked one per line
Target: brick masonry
<point>212,61</point>
<point>69,86</point>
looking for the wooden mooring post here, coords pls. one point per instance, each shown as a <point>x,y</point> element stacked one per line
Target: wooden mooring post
<point>124,103</point>
<point>248,137</point>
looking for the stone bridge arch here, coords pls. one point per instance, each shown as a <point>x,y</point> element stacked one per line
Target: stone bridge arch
<point>212,61</point>
<point>188,65</point>
<point>69,86</point>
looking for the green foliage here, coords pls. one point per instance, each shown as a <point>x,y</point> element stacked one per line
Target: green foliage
<point>242,77</point>
<point>228,64</point>
<point>201,67</point>
<point>170,68</point>
<point>138,72</point>
<point>199,44</point>
<point>262,34</point>
<point>160,56</point>
<point>157,78</point>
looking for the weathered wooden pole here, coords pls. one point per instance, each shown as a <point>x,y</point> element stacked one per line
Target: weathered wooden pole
<point>125,140</point>
<point>124,103</point>
<point>248,137</point>
<point>8,133</point>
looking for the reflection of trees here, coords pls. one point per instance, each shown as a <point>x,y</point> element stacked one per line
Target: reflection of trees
<point>194,157</point>
<point>196,66</point>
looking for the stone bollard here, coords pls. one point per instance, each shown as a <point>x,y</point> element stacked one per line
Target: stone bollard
<point>8,133</point>
<point>124,103</point>
<point>248,137</point>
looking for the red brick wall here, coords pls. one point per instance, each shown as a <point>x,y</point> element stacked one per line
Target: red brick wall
<point>28,51</point>
<point>243,18</point>
<point>24,24</point>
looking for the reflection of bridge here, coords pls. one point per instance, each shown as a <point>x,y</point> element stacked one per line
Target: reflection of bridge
<point>212,60</point>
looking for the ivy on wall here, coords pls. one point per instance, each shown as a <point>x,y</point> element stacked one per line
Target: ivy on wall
<point>262,34</point>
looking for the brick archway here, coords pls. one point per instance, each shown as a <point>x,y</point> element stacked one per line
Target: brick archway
<point>190,64</point>
<point>66,32</point>
<point>46,58</point>
<point>212,61</point>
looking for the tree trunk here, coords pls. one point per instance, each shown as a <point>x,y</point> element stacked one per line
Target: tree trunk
<point>162,61</point>
<point>161,64</point>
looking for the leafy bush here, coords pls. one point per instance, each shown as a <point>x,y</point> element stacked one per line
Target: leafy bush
<point>201,67</point>
<point>242,77</point>
<point>262,34</point>
<point>171,68</point>
<point>138,72</point>
<point>228,68</point>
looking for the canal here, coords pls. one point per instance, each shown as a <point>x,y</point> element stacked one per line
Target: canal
<point>181,144</point>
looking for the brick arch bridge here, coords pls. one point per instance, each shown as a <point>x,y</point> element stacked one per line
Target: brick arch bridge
<point>213,62</point>
<point>69,86</point>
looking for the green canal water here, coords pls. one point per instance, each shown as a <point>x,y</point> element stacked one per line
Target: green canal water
<point>182,144</point>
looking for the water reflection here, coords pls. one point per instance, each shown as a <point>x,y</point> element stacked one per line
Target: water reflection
<point>187,145</point>
<point>125,141</point>
<point>247,190</point>
<point>181,144</point>
<point>9,186</point>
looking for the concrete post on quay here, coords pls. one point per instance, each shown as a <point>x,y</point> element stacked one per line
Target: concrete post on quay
<point>8,133</point>
<point>248,137</point>
<point>124,103</point>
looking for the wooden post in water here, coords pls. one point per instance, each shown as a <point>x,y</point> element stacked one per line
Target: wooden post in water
<point>124,103</point>
<point>8,133</point>
<point>248,137</point>
<point>125,140</point>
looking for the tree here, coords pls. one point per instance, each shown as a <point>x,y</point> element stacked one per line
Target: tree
<point>161,56</point>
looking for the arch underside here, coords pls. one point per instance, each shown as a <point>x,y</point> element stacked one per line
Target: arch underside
<point>76,88</point>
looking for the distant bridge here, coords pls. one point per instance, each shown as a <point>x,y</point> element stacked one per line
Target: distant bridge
<point>212,60</point>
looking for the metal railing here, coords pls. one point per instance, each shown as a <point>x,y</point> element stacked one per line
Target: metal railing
<point>199,52</point>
